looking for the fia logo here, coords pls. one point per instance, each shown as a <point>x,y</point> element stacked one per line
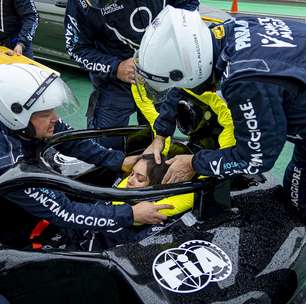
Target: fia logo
<point>191,267</point>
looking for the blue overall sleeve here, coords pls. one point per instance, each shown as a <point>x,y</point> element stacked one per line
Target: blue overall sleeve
<point>27,11</point>
<point>260,130</point>
<point>90,151</point>
<point>57,208</point>
<point>81,38</point>
<point>80,44</point>
<point>166,121</point>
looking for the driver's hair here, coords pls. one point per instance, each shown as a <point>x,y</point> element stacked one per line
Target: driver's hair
<point>155,171</point>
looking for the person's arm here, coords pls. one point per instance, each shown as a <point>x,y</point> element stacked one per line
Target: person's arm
<point>90,151</point>
<point>165,123</point>
<point>27,11</point>
<point>80,43</point>
<point>57,208</point>
<point>185,4</point>
<point>259,126</point>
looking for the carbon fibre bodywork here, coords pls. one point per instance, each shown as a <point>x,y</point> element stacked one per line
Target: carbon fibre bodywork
<point>252,252</point>
<point>267,263</point>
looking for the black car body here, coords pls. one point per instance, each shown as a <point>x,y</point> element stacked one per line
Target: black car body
<point>252,252</point>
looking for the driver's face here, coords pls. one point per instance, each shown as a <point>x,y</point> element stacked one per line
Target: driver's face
<point>44,122</point>
<point>138,177</point>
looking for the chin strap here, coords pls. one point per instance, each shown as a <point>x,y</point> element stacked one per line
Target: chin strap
<point>28,132</point>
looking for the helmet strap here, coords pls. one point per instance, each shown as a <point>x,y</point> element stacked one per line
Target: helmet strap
<point>39,91</point>
<point>28,132</point>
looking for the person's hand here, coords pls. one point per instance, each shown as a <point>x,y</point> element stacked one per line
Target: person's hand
<point>147,213</point>
<point>180,169</point>
<point>129,162</point>
<point>156,148</point>
<point>9,52</point>
<point>126,70</point>
<point>17,50</point>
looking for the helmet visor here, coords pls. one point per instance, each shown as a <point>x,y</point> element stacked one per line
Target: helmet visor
<point>150,86</point>
<point>70,104</point>
<point>53,93</point>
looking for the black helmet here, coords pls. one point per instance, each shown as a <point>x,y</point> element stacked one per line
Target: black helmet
<point>192,115</point>
<point>198,121</point>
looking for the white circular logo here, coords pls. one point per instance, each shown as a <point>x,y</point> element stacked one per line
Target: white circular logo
<point>191,267</point>
<point>138,10</point>
<point>62,159</point>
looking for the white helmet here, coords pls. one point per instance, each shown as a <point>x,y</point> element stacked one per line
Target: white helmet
<point>26,89</point>
<point>176,51</point>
